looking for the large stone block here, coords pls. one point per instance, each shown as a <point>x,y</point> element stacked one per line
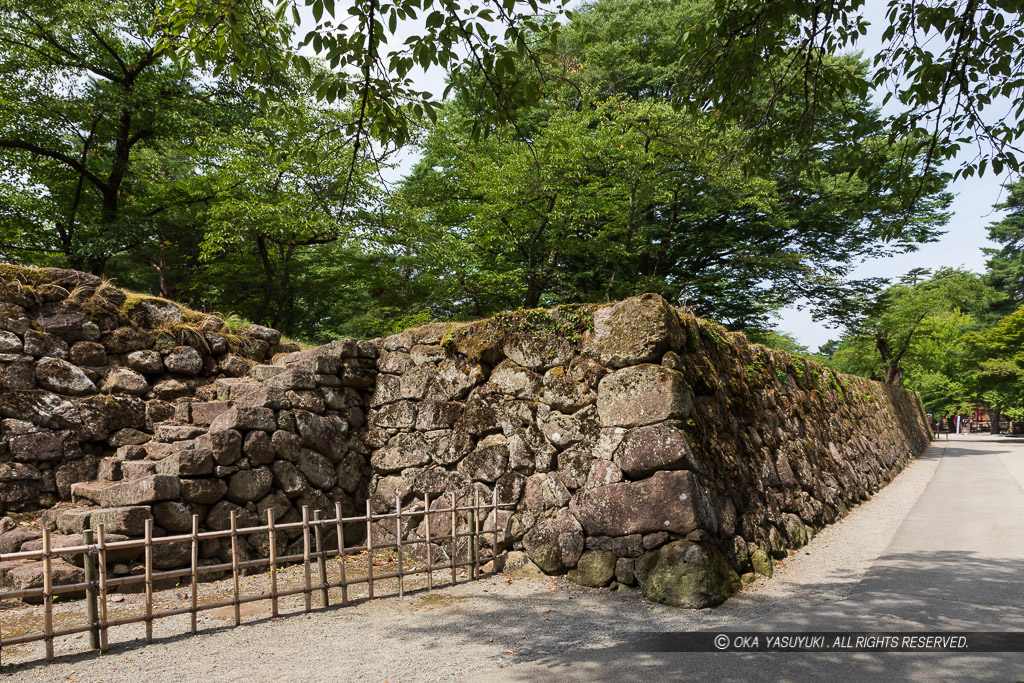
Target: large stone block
<point>141,491</point>
<point>667,501</point>
<point>642,395</point>
<point>130,521</point>
<point>125,381</point>
<point>637,330</point>
<point>193,462</point>
<point>488,461</point>
<point>249,485</point>
<point>39,446</point>
<point>224,444</point>
<point>317,469</point>
<point>244,418</point>
<point>203,491</point>
<point>184,360</point>
<point>404,450</point>
<point>321,434</point>
<point>646,450</point>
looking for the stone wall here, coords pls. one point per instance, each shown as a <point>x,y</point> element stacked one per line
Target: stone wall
<point>633,444</point>
<point>638,444</point>
<point>86,368</point>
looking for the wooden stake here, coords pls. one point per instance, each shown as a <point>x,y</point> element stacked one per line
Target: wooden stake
<point>91,608</point>
<point>455,545</point>
<point>494,547</point>
<point>321,561</point>
<point>398,544</point>
<point>305,556</point>
<point>101,541</point>
<point>195,573</point>
<point>475,539</point>
<point>272,539</point>
<point>234,566</point>
<point>430,561</point>
<point>149,580</point>
<point>47,597</point>
<point>369,550</point>
<point>341,553</point>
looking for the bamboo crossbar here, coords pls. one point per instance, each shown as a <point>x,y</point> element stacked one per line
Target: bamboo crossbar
<point>314,532</point>
<point>226,533</point>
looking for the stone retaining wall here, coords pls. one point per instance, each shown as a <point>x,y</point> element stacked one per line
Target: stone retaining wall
<point>637,444</point>
<point>640,445</point>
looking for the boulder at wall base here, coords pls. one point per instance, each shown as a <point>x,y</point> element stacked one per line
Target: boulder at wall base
<point>686,574</point>
<point>596,569</point>
<point>555,544</point>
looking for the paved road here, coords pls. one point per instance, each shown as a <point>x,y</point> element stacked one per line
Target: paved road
<point>955,562</point>
<point>941,548</point>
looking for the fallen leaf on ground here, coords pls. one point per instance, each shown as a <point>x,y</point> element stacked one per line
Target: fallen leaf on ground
<point>510,652</point>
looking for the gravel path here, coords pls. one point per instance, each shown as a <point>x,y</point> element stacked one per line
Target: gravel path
<point>496,628</point>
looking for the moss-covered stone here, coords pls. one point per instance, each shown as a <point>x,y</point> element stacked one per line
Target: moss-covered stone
<point>686,574</point>
<point>596,569</point>
<point>761,563</point>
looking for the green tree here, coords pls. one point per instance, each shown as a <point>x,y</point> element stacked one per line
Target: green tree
<point>998,365</point>
<point>943,66</point>
<point>614,191</point>
<point>1006,264</point>
<point>95,130</point>
<point>914,328</point>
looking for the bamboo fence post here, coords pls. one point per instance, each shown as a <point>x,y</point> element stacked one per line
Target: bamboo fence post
<point>476,534</point>
<point>47,597</point>
<point>149,580</point>
<point>305,556</point>
<point>369,549</point>
<point>470,527</point>
<point>455,540</point>
<point>494,547</point>
<point>91,608</point>
<point>343,580</point>
<point>101,541</point>
<point>195,574</point>
<point>272,540</point>
<point>321,561</point>
<point>430,561</point>
<point>398,544</point>
<point>234,567</point>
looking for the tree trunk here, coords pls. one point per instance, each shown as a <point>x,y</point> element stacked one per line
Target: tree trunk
<point>994,418</point>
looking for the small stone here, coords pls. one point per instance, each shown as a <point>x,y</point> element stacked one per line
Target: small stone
<point>83,353</point>
<point>62,377</point>
<point>146,361</point>
<point>124,381</point>
<point>596,569</point>
<point>184,360</point>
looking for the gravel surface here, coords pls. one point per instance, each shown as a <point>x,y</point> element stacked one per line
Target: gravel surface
<point>493,628</point>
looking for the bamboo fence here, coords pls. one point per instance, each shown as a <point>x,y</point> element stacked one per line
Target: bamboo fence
<point>98,585</point>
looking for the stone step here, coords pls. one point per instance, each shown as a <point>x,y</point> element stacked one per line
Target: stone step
<point>140,491</point>
<point>129,520</point>
<point>89,491</point>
